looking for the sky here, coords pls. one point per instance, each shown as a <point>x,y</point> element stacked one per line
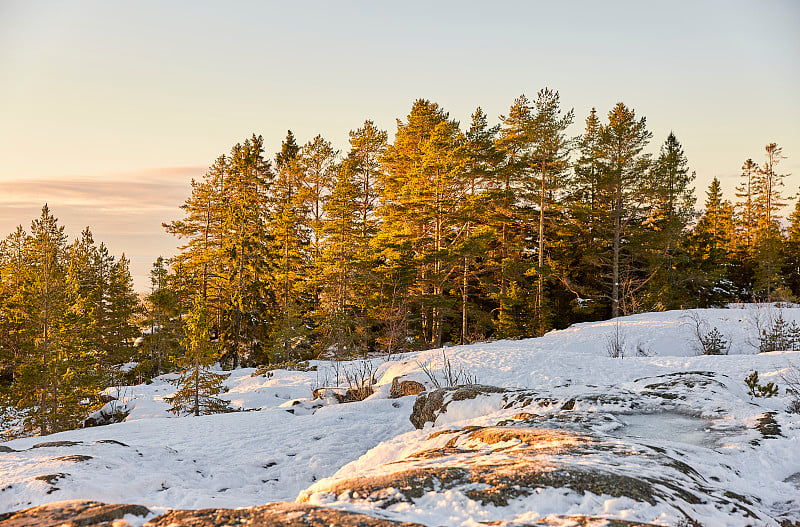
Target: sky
<point>109,109</point>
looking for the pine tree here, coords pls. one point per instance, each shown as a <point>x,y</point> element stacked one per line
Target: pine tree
<point>792,266</point>
<point>248,253</point>
<point>162,321</point>
<point>201,260</point>
<point>337,264</point>
<point>549,159</point>
<point>625,194</point>
<point>423,185</point>
<point>15,331</point>
<point>746,214</point>
<point>769,249</point>
<point>582,259</point>
<point>197,384</point>
<point>483,162</point>
<point>510,213</point>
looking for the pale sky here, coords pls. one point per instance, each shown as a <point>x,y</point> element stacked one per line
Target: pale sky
<point>108,109</point>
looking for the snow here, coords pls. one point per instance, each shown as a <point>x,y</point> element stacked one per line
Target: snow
<point>283,444</point>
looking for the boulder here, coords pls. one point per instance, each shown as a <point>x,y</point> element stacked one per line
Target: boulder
<point>429,405</point>
<point>401,388</point>
<point>112,412</point>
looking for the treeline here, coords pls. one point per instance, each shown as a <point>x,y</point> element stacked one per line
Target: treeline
<point>451,234</point>
<point>445,235</point>
<point>67,324</point>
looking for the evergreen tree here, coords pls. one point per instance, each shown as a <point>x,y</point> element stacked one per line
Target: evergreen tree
<point>248,253</point>
<point>549,158</point>
<point>510,214</point>
<point>709,247</point>
<point>584,233</point>
<point>625,193</point>
<point>197,384</point>
<point>792,265</point>
<point>769,249</point>
<point>672,211</point>
<point>290,334</point>
<point>483,162</point>
<point>423,185</point>
<point>746,213</point>
<point>162,321</point>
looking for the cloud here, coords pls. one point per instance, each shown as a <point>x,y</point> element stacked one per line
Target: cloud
<point>139,192</point>
<point>124,210</point>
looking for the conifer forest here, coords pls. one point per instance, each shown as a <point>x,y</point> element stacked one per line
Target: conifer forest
<point>451,233</point>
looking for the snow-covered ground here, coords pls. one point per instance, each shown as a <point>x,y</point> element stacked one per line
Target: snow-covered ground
<point>284,446</point>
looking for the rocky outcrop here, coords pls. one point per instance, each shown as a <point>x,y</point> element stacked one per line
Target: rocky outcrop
<point>94,514</point>
<point>277,514</point>
<point>73,513</point>
<point>429,405</point>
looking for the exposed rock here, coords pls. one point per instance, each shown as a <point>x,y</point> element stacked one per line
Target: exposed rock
<point>401,388</point>
<point>56,444</point>
<point>277,514</point>
<point>106,398</point>
<point>73,459</point>
<point>113,412</point>
<point>342,395</point>
<point>50,478</point>
<point>496,465</point>
<point>430,404</point>
<point>4,448</point>
<point>73,513</point>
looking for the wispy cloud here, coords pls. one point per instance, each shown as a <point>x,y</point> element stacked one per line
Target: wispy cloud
<point>141,192</point>
<point>124,210</point>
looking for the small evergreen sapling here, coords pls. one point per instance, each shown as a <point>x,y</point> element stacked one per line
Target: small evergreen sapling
<point>197,384</point>
<point>760,390</point>
<point>780,336</point>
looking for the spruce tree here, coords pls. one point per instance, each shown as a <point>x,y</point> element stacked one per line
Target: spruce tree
<point>709,246</point>
<point>290,336</point>
<point>198,385</point>
<point>671,212</point>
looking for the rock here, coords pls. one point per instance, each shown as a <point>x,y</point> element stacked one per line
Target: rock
<point>73,459</point>
<point>113,412</point>
<point>106,398</point>
<point>278,514</point>
<point>342,395</point>
<point>4,448</point>
<point>498,465</point>
<point>429,405</point>
<point>402,388</point>
<point>72,513</point>
<point>56,444</point>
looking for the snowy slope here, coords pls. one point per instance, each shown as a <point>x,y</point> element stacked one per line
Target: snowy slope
<point>286,445</point>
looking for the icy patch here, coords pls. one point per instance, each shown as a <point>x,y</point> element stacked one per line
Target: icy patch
<point>668,426</point>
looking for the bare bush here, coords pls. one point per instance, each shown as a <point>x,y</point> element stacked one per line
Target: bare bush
<point>446,375</point>
<point>791,378</point>
<point>353,381</point>
<point>615,342</point>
